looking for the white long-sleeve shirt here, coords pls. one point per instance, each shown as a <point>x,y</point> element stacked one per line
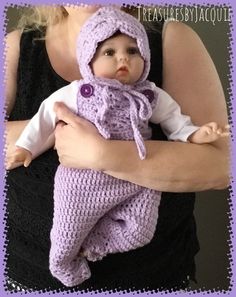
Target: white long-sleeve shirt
<point>167,113</point>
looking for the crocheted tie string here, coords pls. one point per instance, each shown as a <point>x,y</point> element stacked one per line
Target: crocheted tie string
<point>139,109</point>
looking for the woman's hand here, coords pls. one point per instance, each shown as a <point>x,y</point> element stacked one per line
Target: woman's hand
<point>77,141</point>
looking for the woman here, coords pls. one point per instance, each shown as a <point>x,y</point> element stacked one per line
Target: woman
<point>44,66</point>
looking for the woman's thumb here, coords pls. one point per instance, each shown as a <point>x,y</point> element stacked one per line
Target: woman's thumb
<point>65,114</point>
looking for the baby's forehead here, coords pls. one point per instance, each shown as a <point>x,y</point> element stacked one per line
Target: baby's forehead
<point>117,38</point>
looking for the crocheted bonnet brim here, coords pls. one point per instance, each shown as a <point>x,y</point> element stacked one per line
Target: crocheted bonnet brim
<point>104,23</point>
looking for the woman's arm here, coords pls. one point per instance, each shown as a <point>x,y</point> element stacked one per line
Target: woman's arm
<point>14,128</point>
<point>190,77</point>
<point>11,63</point>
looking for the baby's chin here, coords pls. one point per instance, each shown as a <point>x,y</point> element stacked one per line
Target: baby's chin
<point>124,81</point>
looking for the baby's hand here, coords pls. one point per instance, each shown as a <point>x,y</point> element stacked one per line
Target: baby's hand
<point>20,155</point>
<point>209,133</point>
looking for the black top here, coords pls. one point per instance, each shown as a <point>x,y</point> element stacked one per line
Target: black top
<point>164,263</point>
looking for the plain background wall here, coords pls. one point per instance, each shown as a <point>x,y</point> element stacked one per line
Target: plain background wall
<point>212,207</point>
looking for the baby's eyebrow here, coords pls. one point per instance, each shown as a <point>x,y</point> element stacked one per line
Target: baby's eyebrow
<point>112,45</point>
<point>107,44</point>
<point>134,44</point>
<point>103,47</point>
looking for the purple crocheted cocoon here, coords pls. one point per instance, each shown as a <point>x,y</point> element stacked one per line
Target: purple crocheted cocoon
<point>101,214</point>
<point>96,214</point>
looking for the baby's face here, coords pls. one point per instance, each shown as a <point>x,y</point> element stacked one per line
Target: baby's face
<point>118,58</point>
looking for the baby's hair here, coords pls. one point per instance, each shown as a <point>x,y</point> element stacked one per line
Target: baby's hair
<point>117,33</point>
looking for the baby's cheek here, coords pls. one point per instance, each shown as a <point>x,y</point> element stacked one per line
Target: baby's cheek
<point>103,73</point>
<point>103,69</point>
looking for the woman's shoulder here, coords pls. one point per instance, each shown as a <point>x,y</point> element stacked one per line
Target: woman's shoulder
<point>13,36</point>
<point>179,34</point>
<point>13,41</point>
<point>12,50</point>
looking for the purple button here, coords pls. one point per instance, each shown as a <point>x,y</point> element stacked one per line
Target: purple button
<point>86,90</point>
<point>149,94</point>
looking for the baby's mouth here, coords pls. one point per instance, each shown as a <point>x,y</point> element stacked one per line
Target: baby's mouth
<point>123,69</point>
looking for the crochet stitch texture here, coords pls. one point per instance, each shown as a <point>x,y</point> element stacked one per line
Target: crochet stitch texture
<point>92,210</point>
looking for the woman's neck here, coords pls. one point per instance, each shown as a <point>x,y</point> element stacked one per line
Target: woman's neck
<point>77,16</point>
<point>61,45</point>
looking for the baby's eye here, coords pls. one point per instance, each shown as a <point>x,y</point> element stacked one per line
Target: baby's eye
<point>132,50</point>
<point>109,52</point>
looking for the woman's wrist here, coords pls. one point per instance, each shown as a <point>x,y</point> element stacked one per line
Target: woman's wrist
<point>114,155</point>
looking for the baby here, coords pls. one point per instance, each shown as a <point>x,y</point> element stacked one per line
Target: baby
<point>96,214</point>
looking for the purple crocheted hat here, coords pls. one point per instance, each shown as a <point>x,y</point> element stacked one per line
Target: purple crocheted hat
<point>103,24</point>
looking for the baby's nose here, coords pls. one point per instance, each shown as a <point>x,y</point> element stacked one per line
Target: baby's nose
<point>123,57</point>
